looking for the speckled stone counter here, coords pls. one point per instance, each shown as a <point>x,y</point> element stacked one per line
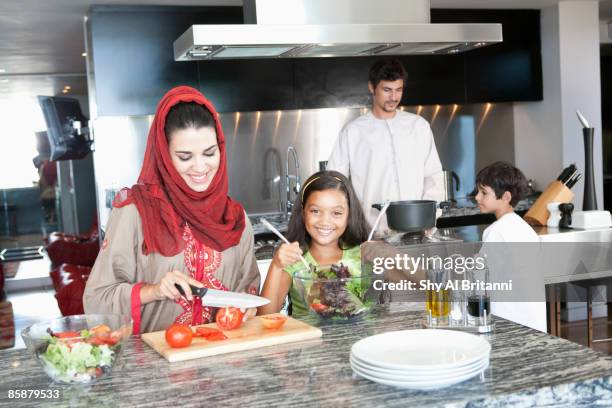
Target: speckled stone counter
<point>527,368</point>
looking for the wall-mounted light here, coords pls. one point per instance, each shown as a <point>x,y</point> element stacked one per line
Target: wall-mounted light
<point>435,115</point>
<point>68,87</point>
<point>84,54</point>
<point>485,113</point>
<point>64,91</point>
<point>2,70</point>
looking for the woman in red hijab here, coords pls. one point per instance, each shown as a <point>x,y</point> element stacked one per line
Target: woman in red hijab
<point>176,226</point>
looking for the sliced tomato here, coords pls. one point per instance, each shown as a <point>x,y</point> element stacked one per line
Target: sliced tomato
<point>229,318</point>
<point>66,334</point>
<point>318,307</point>
<point>216,336</point>
<point>113,338</point>
<point>96,341</point>
<point>205,331</point>
<point>100,329</point>
<point>179,335</point>
<point>273,322</point>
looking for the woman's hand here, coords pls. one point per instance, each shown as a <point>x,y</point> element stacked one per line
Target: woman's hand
<point>248,313</point>
<point>287,254</point>
<point>165,289</point>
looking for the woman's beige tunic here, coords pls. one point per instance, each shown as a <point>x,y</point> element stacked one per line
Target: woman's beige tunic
<point>121,264</point>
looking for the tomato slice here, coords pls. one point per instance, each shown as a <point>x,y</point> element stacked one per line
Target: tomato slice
<point>216,336</point>
<point>96,341</point>
<point>66,334</point>
<point>205,331</point>
<point>100,329</point>
<point>229,318</point>
<point>318,307</point>
<point>273,322</point>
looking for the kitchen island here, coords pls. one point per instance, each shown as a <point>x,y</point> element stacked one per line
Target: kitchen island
<point>527,368</point>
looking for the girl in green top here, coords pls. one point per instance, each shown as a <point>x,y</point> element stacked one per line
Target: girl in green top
<point>327,225</point>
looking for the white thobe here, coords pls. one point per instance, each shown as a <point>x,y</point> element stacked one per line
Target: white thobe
<point>389,159</point>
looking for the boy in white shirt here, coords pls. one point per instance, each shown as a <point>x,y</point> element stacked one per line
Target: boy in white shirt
<point>500,188</point>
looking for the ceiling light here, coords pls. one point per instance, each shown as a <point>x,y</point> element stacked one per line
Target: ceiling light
<point>2,70</point>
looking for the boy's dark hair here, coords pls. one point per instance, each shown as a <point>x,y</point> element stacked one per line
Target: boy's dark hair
<point>187,115</point>
<point>357,228</point>
<point>387,69</point>
<point>502,176</point>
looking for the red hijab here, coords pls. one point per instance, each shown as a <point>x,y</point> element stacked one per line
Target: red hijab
<point>165,201</point>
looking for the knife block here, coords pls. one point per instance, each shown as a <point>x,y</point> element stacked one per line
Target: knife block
<point>555,192</point>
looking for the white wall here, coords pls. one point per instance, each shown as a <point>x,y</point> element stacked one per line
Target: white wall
<point>548,135</point>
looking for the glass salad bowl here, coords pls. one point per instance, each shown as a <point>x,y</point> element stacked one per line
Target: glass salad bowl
<point>331,293</point>
<point>79,348</point>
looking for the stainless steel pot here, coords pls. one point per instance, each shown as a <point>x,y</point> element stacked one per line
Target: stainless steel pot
<point>410,215</point>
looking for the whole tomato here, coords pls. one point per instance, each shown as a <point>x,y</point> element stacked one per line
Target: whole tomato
<point>178,335</point>
<point>229,318</point>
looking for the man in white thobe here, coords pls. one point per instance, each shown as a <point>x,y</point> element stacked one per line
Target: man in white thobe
<point>388,154</point>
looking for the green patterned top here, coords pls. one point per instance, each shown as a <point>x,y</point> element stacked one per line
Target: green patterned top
<point>350,257</point>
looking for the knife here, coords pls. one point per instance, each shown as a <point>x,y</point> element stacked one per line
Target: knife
<point>222,298</point>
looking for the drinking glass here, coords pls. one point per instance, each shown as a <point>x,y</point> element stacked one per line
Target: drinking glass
<point>479,299</point>
<point>437,297</point>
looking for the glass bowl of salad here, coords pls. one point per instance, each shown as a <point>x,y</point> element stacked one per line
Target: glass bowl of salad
<point>331,292</point>
<point>79,348</point>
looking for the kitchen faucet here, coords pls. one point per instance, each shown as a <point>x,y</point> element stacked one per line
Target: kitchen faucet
<point>295,177</point>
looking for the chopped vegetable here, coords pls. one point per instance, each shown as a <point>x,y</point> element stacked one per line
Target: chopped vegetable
<point>273,322</point>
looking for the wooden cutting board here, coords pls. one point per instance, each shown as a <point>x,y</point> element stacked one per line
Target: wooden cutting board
<point>252,334</point>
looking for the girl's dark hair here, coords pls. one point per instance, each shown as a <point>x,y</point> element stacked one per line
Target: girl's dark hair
<point>187,115</point>
<point>357,228</point>
<point>387,69</point>
<point>502,176</point>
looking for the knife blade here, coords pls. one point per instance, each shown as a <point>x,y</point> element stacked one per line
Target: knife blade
<point>571,176</point>
<point>574,181</point>
<point>223,298</point>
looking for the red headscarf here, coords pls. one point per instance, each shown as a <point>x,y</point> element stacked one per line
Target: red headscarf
<point>165,201</point>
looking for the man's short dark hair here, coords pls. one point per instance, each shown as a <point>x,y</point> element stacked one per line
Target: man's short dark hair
<point>387,69</point>
<point>501,177</point>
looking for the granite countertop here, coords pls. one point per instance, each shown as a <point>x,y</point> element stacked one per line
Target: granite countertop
<point>527,368</point>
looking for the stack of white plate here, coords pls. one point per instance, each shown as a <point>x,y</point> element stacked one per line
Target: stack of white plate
<point>420,359</point>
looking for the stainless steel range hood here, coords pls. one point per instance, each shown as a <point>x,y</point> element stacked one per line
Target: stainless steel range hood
<point>332,28</point>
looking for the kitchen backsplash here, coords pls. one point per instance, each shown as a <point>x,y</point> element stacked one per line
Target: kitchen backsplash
<point>467,137</point>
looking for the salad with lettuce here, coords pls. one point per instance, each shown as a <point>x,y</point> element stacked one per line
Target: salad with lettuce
<point>80,356</point>
<point>335,293</point>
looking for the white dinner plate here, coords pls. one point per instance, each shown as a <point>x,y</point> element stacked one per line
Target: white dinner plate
<point>421,349</point>
<point>420,371</point>
<point>432,385</point>
<point>420,378</point>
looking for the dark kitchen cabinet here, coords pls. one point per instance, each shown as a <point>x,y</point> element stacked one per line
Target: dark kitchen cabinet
<point>247,85</point>
<point>134,65</point>
<point>133,58</point>
<point>505,72</point>
<point>343,82</point>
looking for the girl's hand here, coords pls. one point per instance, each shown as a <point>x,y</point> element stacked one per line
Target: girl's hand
<point>287,254</point>
<point>165,289</point>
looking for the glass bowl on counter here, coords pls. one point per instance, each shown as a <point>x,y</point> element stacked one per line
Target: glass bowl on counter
<point>79,348</point>
<point>330,292</point>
